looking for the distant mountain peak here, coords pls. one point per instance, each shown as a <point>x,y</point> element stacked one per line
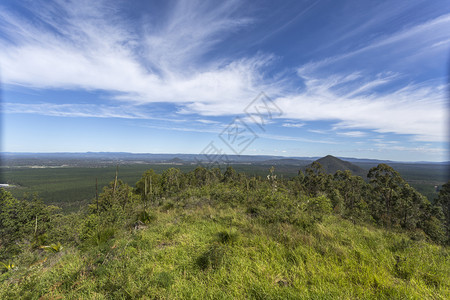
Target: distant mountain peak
<point>176,160</point>
<point>332,164</point>
<point>328,157</point>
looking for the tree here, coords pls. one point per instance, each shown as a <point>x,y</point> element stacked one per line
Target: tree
<point>114,196</point>
<point>22,222</point>
<point>408,210</point>
<point>148,187</point>
<point>316,179</point>
<point>217,174</point>
<point>443,202</point>
<point>430,222</point>
<point>171,181</point>
<point>351,189</point>
<point>296,184</point>
<point>230,175</point>
<point>272,178</point>
<point>202,176</point>
<point>386,186</point>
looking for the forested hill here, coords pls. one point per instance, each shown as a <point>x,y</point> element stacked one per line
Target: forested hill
<point>209,234</point>
<point>331,165</point>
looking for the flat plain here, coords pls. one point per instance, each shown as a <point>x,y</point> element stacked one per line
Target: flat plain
<point>71,184</point>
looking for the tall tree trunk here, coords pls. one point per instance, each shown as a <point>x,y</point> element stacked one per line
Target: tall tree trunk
<point>96,193</point>
<point>115,179</point>
<point>35,226</point>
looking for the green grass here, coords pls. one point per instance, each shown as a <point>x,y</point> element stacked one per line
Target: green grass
<point>210,253</point>
<point>229,239</point>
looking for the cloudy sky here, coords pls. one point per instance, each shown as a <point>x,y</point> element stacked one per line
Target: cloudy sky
<point>352,78</point>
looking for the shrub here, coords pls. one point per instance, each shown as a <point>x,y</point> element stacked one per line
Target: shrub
<point>146,217</point>
<point>434,229</point>
<point>5,267</point>
<point>53,248</point>
<point>211,258</point>
<point>227,237</point>
<point>319,206</point>
<point>104,235</point>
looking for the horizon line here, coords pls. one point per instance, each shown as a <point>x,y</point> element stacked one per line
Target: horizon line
<point>231,155</point>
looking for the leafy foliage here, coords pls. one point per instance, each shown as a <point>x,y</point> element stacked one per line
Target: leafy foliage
<point>22,223</point>
<point>53,248</point>
<point>214,235</point>
<point>443,207</point>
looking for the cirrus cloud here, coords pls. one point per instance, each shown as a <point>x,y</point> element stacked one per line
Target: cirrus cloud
<point>174,58</point>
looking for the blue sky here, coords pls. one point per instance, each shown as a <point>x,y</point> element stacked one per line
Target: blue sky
<point>365,79</point>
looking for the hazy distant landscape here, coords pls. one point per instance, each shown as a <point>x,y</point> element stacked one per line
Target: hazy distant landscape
<point>68,179</point>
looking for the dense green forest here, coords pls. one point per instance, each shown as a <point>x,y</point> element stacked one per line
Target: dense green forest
<point>205,233</point>
<point>72,186</point>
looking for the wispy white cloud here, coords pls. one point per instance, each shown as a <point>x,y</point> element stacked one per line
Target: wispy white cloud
<point>73,110</point>
<point>293,125</point>
<point>183,129</point>
<point>85,111</point>
<point>352,133</point>
<point>416,109</point>
<point>295,139</point>
<point>402,149</point>
<point>408,41</point>
<point>190,30</point>
<point>204,121</point>
<point>94,49</point>
<point>319,131</point>
<point>354,100</point>
<point>369,86</point>
<point>73,45</point>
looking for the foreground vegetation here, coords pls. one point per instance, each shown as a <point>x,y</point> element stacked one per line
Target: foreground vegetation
<point>208,234</point>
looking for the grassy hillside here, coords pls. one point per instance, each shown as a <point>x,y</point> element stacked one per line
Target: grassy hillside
<point>210,253</point>
<point>212,235</point>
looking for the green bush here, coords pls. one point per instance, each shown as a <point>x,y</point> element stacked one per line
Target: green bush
<point>146,217</point>
<point>227,237</point>
<point>212,258</point>
<point>318,207</point>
